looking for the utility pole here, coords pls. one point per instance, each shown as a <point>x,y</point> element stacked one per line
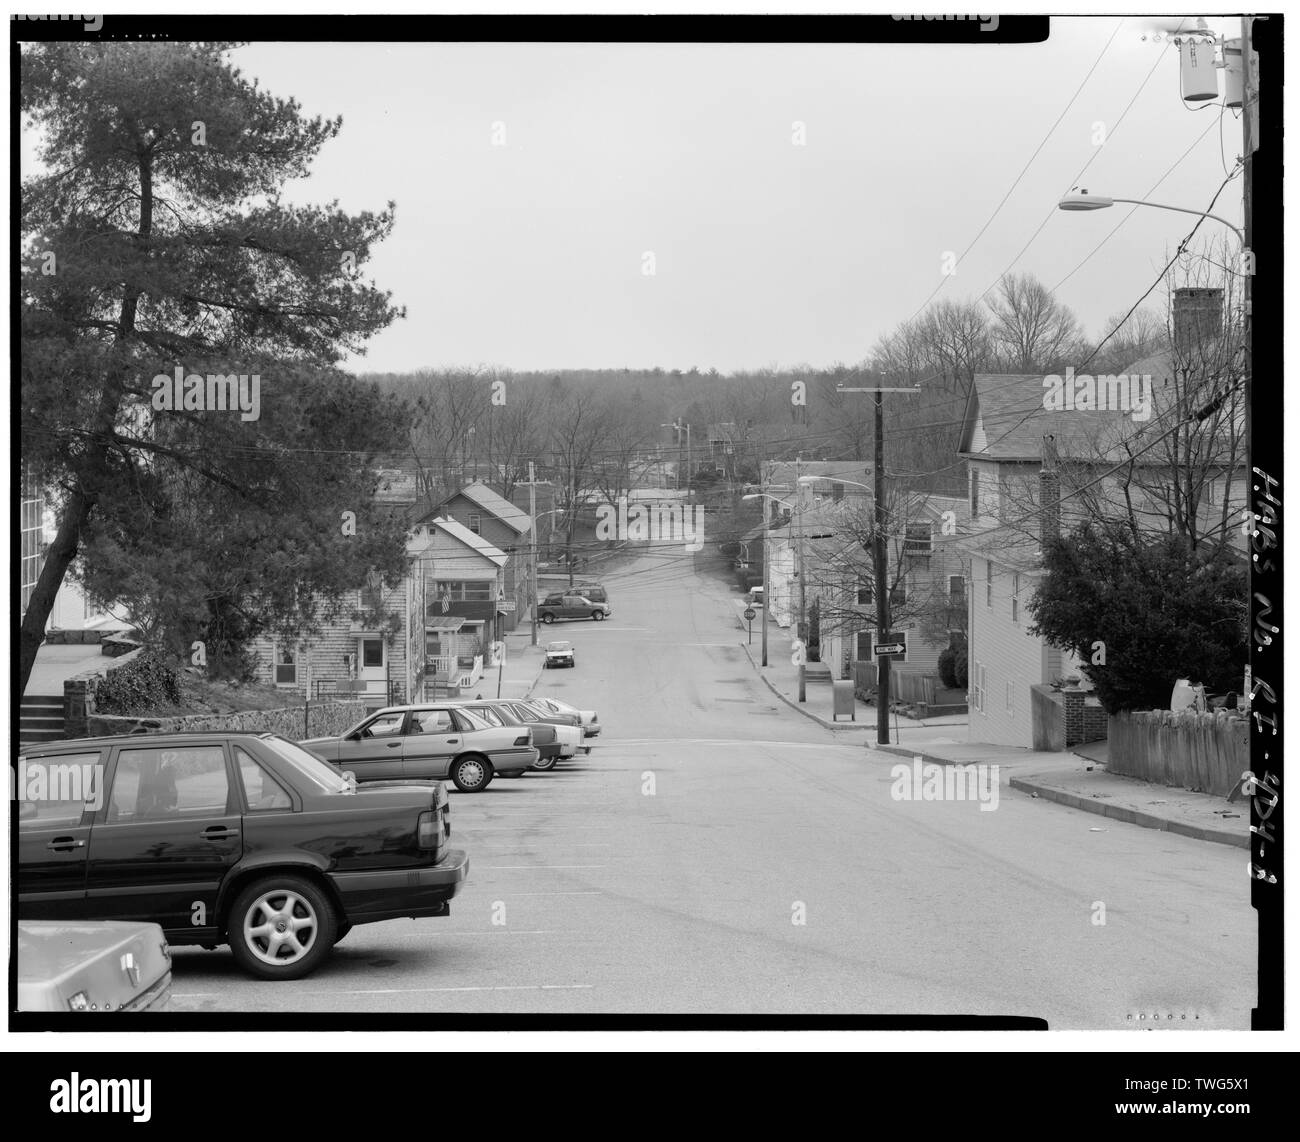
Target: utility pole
<point>879,551</point>
<point>1250,140</point>
<point>882,579</point>
<point>532,535</point>
<point>803,590</point>
<point>766,601</point>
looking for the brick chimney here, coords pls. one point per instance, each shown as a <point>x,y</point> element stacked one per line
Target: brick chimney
<point>1049,494</point>
<point>1198,315</point>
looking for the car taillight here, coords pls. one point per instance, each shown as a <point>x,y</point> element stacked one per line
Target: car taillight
<point>526,738</point>
<point>426,830</point>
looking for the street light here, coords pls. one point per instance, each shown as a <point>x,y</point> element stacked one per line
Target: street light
<point>767,602</point>
<point>533,577</point>
<point>1085,201</point>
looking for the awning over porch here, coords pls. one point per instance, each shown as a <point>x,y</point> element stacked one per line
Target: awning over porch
<point>445,623</point>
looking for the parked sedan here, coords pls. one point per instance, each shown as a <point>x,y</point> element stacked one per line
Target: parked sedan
<point>430,740</point>
<point>84,965</point>
<point>227,838</point>
<point>546,738</point>
<point>559,654</point>
<point>587,719</point>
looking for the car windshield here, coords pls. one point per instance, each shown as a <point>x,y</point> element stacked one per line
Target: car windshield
<point>560,647</point>
<point>308,766</point>
<point>492,715</point>
<point>525,712</point>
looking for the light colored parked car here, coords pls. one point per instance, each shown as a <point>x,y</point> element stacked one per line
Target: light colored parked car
<point>429,740</point>
<point>84,965</point>
<point>587,719</point>
<point>552,742</point>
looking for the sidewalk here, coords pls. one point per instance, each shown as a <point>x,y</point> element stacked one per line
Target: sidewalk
<point>56,663</point>
<point>522,669</point>
<point>1078,780</point>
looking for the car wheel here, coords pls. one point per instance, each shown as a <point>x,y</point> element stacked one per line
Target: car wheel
<point>548,618</point>
<point>544,763</point>
<point>598,615</point>
<point>471,773</point>
<point>282,927</point>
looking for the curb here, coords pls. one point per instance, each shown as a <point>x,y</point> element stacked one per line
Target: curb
<point>1130,816</point>
<point>841,726</point>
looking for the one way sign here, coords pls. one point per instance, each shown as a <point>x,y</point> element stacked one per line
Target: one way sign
<point>893,645</point>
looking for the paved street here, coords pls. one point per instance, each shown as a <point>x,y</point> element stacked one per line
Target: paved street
<point>664,873</point>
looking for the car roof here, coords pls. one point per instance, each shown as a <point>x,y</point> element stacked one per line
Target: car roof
<point>74,745</point>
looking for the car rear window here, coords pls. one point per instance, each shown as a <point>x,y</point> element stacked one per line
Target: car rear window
<point>309,767</point>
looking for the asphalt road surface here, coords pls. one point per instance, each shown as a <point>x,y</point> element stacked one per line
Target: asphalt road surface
<point>720,853</point>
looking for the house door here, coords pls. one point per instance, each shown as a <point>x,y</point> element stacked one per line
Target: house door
<point>372,666</point>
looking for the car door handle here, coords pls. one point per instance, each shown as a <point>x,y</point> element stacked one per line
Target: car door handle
<point>394,745</point>
<point>65,844</point>
<point>453,741</point>
<point>218,833</point>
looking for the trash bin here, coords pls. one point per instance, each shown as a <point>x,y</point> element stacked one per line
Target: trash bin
<point>842,693</point>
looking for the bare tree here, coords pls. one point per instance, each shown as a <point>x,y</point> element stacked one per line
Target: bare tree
<point>1031,331</point>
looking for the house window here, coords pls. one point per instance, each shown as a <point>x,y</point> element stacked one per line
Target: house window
<point>371,599</point>
<point>865,593</point>
<point>975,493</point>
<point>988,583</point>
<point>1011,705</point>
<point>920,540</point>
<point>979,679</point>
<point>864,646</point>
<point>30,512</point>
<point>475,523</point>
<point>1015,598</point>
<point>464,591</point>
<point>286,665</point>
<point>372,653</point>
<point>957,590</point>
<point>898,593</point>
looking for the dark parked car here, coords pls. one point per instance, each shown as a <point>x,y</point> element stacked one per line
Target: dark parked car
<point>429,740</point>
<point>570,606</point>
<point>227,838</point>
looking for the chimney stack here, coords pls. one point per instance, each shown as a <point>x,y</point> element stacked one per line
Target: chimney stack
<point>1198,316</point>
<point>1049,494</point>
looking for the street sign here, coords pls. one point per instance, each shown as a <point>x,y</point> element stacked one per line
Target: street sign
<point>892,645</point>
<point>506,606</point>
<point>751,614</point>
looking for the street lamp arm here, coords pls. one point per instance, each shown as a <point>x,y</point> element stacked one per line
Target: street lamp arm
<point>1241,234</point>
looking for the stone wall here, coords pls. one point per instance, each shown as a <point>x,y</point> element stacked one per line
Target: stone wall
<point>79,695</point>
<point>315,719</point>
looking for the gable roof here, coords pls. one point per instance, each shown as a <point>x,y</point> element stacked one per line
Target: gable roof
<point>1005,419</point>
<point>480,495</point>
<point>470,539</point>
<point>497,505</point>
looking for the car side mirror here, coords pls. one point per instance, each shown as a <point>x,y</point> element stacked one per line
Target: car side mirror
<point>351,779</point>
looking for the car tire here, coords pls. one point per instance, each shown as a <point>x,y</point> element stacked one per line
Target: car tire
<point>269,907</point>
<point>547,617</point>
<point>543,764</point>
<point>598,615</point>
<point>471,773</point>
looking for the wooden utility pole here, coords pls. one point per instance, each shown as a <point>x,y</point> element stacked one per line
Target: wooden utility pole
<point>879,558</point>
<point>532,547</point>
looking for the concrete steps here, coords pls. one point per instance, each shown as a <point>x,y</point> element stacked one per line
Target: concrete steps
<point>40,718</point>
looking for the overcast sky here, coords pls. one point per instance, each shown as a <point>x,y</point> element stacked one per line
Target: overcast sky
<point>532,254</point>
